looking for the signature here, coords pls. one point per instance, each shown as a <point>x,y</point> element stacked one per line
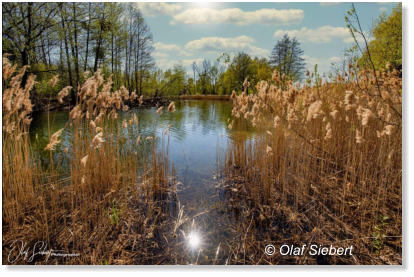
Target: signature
<point>20,250</point>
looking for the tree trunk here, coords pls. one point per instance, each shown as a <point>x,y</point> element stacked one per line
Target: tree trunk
<point>28,44</point>
<point>44,58</point>
<point>75,29</point>
<point>87,38</point>
<point>65,40</point>
<point>98,49</point>
<point>112,52</point>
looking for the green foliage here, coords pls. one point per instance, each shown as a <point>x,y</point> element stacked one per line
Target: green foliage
<point>174,82</point>
<point>387,44</point>
<point>69,39</point>
<point>287,58</point>
<point>379,233</point>
<point>261,70</point>
<point>242,66</point>
<point>114,214</point>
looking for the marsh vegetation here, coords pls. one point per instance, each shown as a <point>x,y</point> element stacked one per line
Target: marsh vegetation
<point>206,181</point>
<point>123,175</point>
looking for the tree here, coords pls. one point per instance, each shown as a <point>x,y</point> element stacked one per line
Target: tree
<point>64,31</point>
<point>386,47</point>
<point>287,58</point>
<point>23,27</point>
<point>102,28</point>
<point>262,70</point>
<point>240,69</point>
<point>138,49</point>
<point>203,82</point>
<point>174,81</point>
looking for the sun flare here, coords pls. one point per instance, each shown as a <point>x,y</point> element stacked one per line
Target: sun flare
<point>194,240</point>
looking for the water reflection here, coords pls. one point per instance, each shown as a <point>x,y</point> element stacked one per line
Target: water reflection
<point>197,133</point>
<point>194,240</point>
<point>198,138</point>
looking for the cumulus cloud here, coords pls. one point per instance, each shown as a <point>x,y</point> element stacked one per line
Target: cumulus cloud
<point>152,9</point>
<point>326,4</point>
<point>383,9</point>
<point>324,65</point>
<point>166,63</point>
<point>322,34</point>
<point>166,55</point>
<point>238,16</point>
<point>159,46</point>
<point>158,54</point>
<point>189,62</point>
<point>231,45</point>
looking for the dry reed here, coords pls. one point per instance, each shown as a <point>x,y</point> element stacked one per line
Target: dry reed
<point>329,173</point>
<point>114,202</point>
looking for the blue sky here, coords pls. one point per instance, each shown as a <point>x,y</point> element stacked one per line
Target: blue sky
<point>187,32</point>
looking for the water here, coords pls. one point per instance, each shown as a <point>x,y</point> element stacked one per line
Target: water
<point>198,131</point>
<point>198,138</point>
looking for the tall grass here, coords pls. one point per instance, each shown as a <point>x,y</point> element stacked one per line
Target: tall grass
<point>107,210</point>
<point>327,168</point>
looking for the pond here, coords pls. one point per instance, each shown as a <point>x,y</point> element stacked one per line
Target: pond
<point>198,139</point>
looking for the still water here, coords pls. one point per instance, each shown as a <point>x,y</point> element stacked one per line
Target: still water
<point>198,132</point>
<point>198,139</point>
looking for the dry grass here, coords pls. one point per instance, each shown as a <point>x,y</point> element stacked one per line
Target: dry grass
<point>105,209</point>
<point>326,169</point>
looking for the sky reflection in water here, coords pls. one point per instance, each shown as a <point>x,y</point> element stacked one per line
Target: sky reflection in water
<point>198,133</point>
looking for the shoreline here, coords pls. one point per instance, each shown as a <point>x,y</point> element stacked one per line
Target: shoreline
<point>204,97</point>
<point>46,104</point>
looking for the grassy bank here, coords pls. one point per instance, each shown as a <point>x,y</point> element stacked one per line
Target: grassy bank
<point>327,168</point>
<point>324,168</point>
<point>103,210</point>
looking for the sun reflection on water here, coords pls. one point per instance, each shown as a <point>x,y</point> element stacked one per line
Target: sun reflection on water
<point>194,240</point>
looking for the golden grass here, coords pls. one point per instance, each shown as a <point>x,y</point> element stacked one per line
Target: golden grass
<point>106,210</point>
<point>326,169</point>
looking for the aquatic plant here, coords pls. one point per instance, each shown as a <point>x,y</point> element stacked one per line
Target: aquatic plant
<point>69,211</point>
<point>329,162</point>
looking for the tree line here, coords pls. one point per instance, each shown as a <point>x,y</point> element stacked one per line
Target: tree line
<point>71,38</point>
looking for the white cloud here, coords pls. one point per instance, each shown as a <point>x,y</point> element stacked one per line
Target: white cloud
<point>231,45</point>
<point>238,16</point>
<point>160,54</point>
<point>159,46</point>
<point>327,4</point>
<point>383,9</point>
<point>189,62</point>
<point>152,8</point>
<point>322,34</point>
<point>324,65</point>
<point>165,63</point>
<point>335,59</point>
<point>167,55</point>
